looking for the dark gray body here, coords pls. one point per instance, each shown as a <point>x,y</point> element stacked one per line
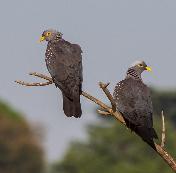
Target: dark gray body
<point>133,100</point>
<point>64,63</point>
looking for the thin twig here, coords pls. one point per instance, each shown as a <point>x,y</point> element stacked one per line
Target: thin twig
<point>32,84</point>
<point>159,149</point>
<point>163,136</point>
<point>98,102</point>
<point>41,76</point>
<point>103,112</point>
<point>108,94</point>
<point>116,114</point>
<point>49,79</point>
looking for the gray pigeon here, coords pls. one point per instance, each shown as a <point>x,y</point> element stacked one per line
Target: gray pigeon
<point>133,101</point>
<point>64,63</point>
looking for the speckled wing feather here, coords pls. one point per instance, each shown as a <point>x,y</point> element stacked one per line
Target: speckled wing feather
<point>133,100</point>
<point>65,66</point>
<point>64,62</point>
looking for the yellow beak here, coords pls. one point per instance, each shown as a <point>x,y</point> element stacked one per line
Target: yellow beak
<point>42,38</point>
<point>148,68</point>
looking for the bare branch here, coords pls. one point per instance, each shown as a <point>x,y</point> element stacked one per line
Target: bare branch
<point>110,111</point>
<point>32,84</point>
<point>116,114</point>
<point>49,79</point>
<point>166,157</point>
<point>103,112</point>
<point>41,76</point>
<point>163,136</point>
<point>108,94</point>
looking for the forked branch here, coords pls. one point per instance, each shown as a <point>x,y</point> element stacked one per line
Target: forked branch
<point>106,110</point>
<point>49,80</point>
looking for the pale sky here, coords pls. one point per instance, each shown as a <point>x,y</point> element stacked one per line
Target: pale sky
<point>112,35</point>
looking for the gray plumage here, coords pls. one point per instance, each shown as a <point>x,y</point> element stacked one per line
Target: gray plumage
<point>133,100</point>
<point>64,63</point>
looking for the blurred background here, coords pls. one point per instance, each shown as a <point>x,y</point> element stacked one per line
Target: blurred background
<point>35,136</point>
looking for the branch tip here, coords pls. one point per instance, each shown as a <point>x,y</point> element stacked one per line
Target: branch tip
<point>103,112</point>
<point>163,136</point>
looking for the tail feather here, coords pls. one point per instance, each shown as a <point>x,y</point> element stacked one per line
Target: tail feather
<point>147,134</point>
<point>154,134</point>
<point>71,107</point>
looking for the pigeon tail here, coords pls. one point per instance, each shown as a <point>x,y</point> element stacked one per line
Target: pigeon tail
<point>147,134</point>
<point>71,107</point>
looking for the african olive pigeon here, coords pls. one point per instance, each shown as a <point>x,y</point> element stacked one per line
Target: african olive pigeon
<point>134,102</point>
<point>64,63</point>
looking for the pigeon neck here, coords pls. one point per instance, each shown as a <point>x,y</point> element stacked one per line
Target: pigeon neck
<point>132,73</point>
<point>56,39</point>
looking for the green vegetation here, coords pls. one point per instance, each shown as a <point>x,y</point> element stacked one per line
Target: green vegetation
<point>111,148</point>
<point>20,151</point>
<point>165,100</point>
<point>9,112</point>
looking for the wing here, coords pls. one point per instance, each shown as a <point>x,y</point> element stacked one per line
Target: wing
<point>66,68</point>
<point>134,102</point>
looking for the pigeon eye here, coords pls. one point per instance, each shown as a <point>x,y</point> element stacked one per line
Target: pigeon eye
<point>140,65</point>
<point>48,34</point>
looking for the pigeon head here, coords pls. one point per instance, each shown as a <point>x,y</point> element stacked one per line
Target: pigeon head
<point>140,66</point>
<point>51,35</point>
<point>136,69</point>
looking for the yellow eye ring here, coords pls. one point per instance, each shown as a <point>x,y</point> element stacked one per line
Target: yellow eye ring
<point>140,65</point>
<point>48,34</point>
